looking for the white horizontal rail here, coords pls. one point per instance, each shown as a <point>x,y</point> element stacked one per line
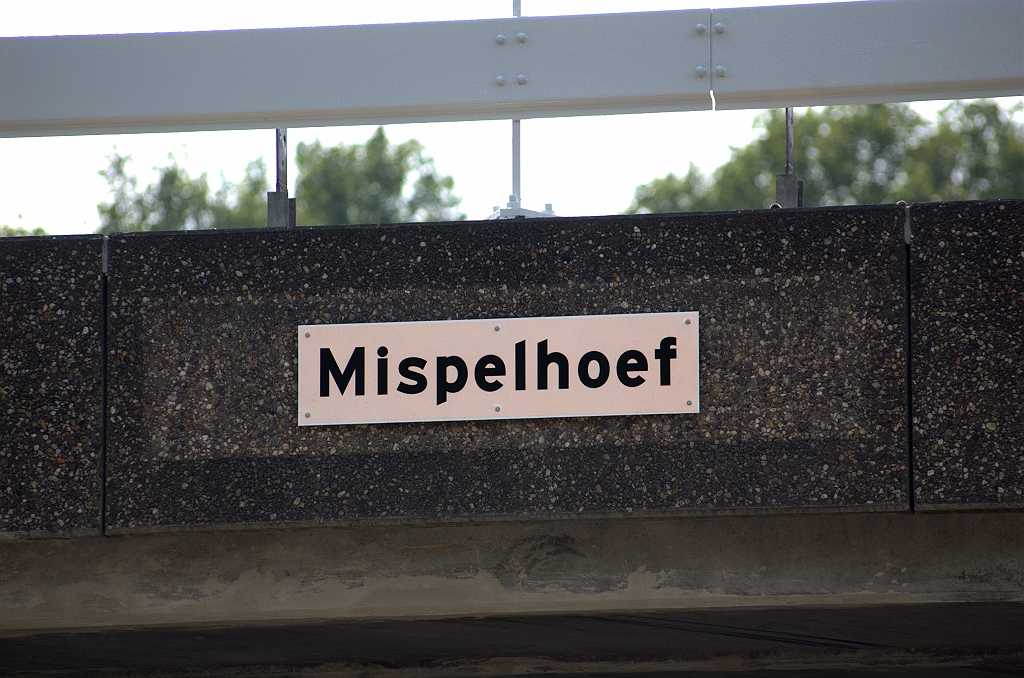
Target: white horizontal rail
<point>347,75</point>
<point>868,52</point>
<point>579,65</point>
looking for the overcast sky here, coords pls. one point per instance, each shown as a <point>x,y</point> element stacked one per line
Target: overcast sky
<point>587,165</point>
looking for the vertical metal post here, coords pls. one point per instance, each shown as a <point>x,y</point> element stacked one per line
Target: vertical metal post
<point>789,141</point>
<point>282,161</point>
<point>281,208</point>
<point>517,11</point>
<point>789,190</point>
<point>516,186</point>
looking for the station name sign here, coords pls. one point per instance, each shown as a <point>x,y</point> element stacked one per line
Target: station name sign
<point>510,368</point>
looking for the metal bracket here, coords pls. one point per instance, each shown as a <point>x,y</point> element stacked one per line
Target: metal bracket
<point>281,208</point>
<point>515,211</point>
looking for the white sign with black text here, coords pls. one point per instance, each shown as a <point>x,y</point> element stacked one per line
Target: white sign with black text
<point>570,366</point>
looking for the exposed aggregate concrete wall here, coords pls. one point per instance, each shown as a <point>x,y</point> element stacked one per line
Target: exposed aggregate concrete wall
<point>967,286</point>
<point>51,311</point>
<point>802,368</point>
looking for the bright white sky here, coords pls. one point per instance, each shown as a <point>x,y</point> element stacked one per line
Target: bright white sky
<point>584,166</point>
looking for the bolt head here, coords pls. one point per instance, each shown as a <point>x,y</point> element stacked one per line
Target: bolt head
<point>307,415</point>
<point>702,72</point>
<point>521,79</point>
<point>500,39</point>
<point>719,28</point>
<point>701,29</point>
<point>521,38</point>
<point>497,328</point>
<point>720,71</point>
<point>500,81</point>
<point>689,402</point>
<point>307,335</point>
<point>687,321</point>
<point>497,408</point>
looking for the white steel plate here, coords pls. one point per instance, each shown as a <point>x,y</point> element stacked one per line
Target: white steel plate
<point>347,75</point>
<point>868,52</point>
<point>651,366</point>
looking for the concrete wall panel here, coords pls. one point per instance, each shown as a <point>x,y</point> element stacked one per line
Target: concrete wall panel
<point>50,384</point>
<point>967,289</point>
<point>802,369</point>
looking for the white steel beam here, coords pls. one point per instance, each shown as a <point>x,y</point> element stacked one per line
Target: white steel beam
<point>575,65</point>
<point>867,52</point>
<point>890,50</point>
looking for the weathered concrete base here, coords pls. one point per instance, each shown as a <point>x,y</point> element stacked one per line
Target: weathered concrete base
<point>521,567</point>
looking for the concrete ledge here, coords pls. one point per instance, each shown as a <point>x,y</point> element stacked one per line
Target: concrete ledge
<point>552,518</point>
<point>503,568</point>
<point>969,507</point>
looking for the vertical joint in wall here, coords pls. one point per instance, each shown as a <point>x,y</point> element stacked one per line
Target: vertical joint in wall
<point>908,339</point>
<point>104,313</point>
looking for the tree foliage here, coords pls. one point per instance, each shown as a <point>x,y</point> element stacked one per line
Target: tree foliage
<point>243,205</point>
<point>849,155</point>
<point>375,182</point>
<point>176,201</point>
<point>371,183</point>
<point>13,231</point>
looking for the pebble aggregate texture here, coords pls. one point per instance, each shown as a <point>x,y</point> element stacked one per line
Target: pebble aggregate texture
<point>802,368</point>
<point>967,287</point>
<point>50,384</point>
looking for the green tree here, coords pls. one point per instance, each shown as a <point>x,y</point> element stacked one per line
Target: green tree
<point>976,153</point>
<point>13,231</point>
<point>243,205</point>
<point>375,182</point>
<point>860,155</point>
<point>174,202</point>
<point>371,183</point>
